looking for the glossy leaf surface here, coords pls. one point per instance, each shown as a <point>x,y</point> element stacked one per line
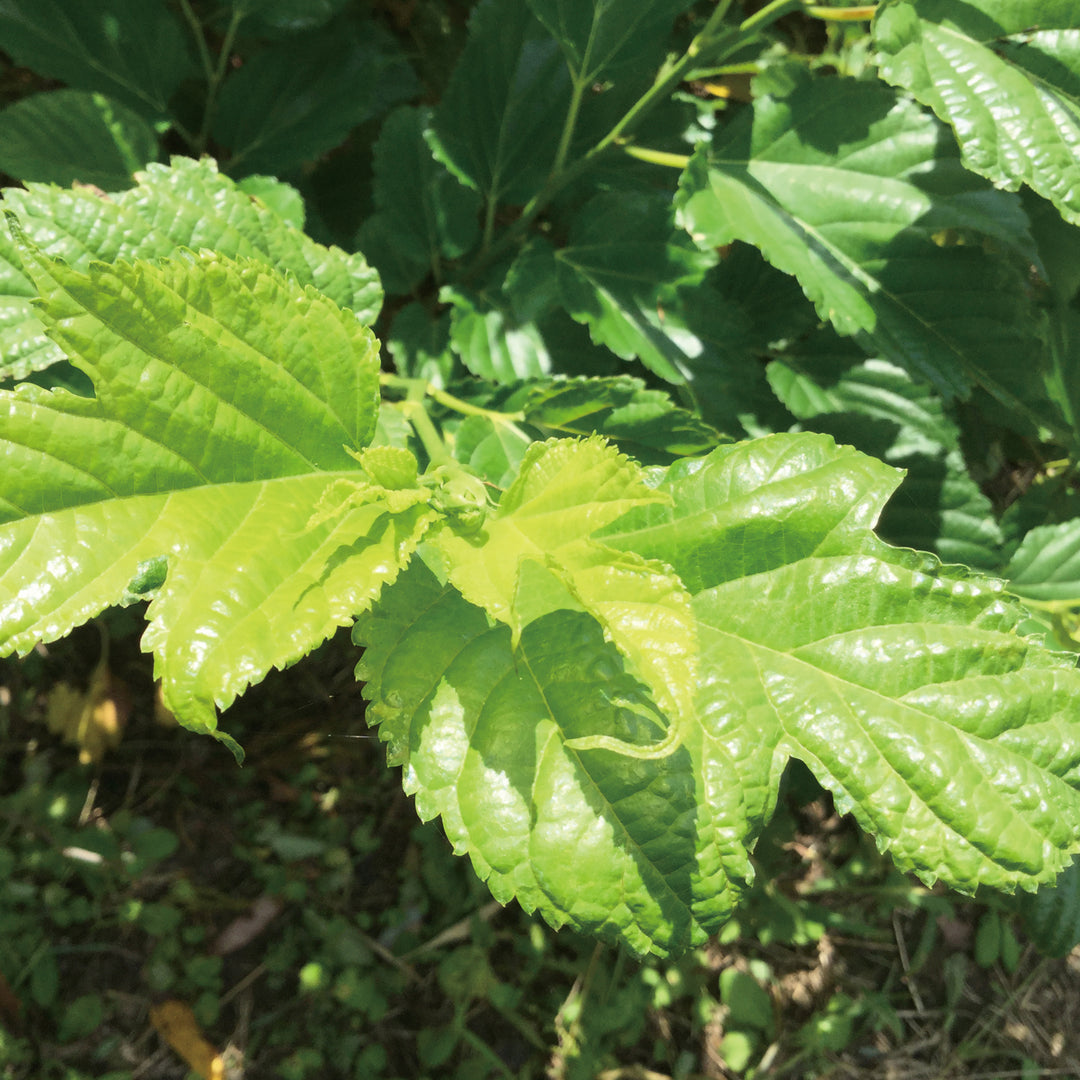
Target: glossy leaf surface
<point>642,851</point>
<point>226,397</point>
<point>188,204</point>
<point>1004,76</point>
<point>905,687</point>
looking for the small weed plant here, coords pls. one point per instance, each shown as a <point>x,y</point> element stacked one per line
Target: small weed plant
<point>660,343</point>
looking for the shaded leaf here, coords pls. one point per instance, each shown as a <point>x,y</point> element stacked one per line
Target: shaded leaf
<point>1052,915</point>
<point>423,214</point>
<point>420,345</point>
<point>646,424</point>
<point>281,17</point>
<point>878,408</point>
<point>74,135</point>
<point>296,100</point>
<point>649,856</point>
<point>599,38</point>
<point>497,125</point>
<point>491,342</point>
<point>850,188</point>
<point>132,50</point>
<point>622,259</point>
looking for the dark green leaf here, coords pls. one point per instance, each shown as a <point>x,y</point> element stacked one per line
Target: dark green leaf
<point>299,99</point>
<point>491,342</point>
<point>285,17</point>
<point>423,214</point>
<point>643,423</point>
<point>74,135</point>
<point>497,126</point>
<point>420,344</point>
<point>132,50</point>
<point>623,256</point>
<point>600,38</point>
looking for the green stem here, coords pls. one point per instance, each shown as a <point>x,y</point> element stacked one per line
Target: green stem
<point>657,157</point>
<point>712,37</point>
<point>768,14</point>
<point>851,14</point>
<point>200,39</point>
<point>465,408</point>
<point>569,126</point>
<point>215,79</point>
<point>416,413</point>
<point>417,390</point>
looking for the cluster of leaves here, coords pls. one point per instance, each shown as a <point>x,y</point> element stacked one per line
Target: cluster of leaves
<point>596,628</point>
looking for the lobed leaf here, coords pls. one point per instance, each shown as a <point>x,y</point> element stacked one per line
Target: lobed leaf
<point>1004,76</point>
<point>648,854</point>
<point>878,408</point>
<point>227,398</point>
<point>904,687</point>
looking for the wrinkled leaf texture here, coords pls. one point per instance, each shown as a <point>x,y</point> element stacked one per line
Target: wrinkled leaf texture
<point>186,204</point>
<point>226,398</point>
<point>903,686</point>
<point>1005,76</point>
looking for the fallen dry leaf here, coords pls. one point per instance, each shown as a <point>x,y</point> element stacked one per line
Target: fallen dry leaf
<point>93,720</point>
<point>176,1024</point>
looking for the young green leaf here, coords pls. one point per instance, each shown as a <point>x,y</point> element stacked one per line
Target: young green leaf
<point>226,399</point>
<point>1005,77</point>
<point>536,557</point>
<point>186,204</point>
